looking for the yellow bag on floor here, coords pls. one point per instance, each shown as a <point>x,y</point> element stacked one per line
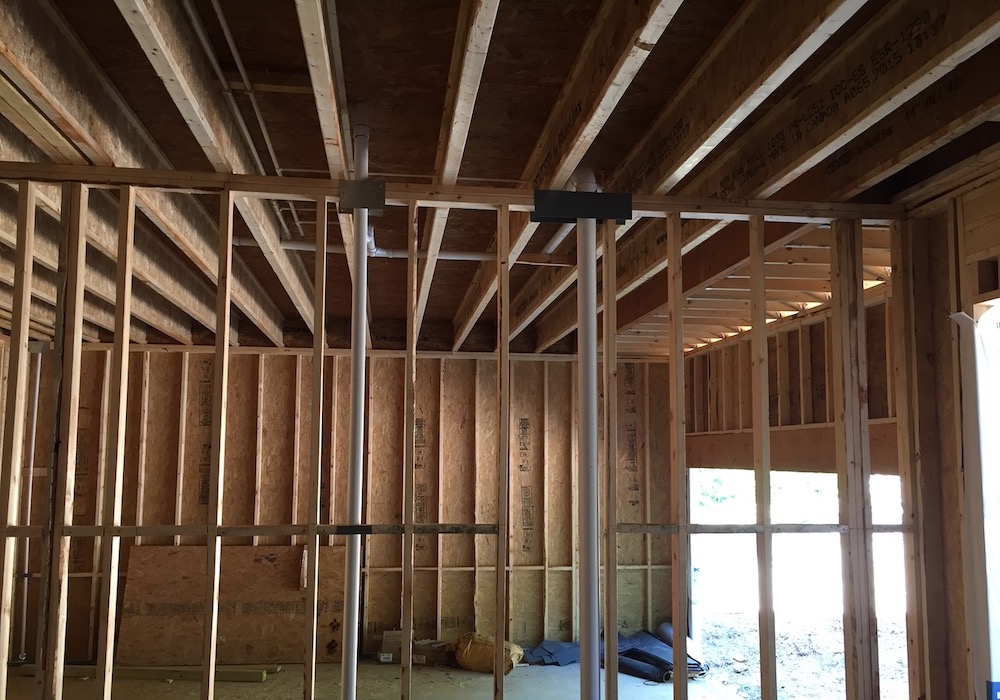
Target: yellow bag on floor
<point>474,652</point>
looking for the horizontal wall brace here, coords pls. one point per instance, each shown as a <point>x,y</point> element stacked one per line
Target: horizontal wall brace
<point>128,531</point>
<point>445,196</point>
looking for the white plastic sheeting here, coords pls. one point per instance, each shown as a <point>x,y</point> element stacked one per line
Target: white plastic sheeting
<point>981,447</point>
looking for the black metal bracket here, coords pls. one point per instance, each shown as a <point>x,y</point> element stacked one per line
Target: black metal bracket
<point>563,207</point>
<point>362,194</point>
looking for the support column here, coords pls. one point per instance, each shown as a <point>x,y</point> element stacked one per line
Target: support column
<point>850,390</point>
<point>355,468</point>
<point>588,514</point>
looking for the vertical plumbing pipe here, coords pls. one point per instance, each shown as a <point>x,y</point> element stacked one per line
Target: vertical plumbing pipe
<point>25,574</point>
<point>355,471</point>
<point>586,256</point>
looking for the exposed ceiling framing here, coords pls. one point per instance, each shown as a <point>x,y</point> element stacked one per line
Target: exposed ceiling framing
<point>840,101</point>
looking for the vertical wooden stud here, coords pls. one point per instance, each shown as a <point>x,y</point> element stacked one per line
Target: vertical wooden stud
<point>140,494</point>
<point>680,545</point>
<point>181,444</point>
<point>610,460</point>
<point>575,490</point>
<point>102,458</point>
<point>297,445</point>
<point>409,447</point>
<point>220,391</point>
<point>69,413</point>
<point>853,459</point>
<point>700,411</point>
<point>648,496</point>
<point>546,474</point>
<point>258,461</point>
<point>805,375</point>
<point>315,452</point>
<point>16,411</point>
<point>903,340</point>
<point>762,455</point>
<point>115,470</point>
<point>784,385</point>
<point>503,446</point>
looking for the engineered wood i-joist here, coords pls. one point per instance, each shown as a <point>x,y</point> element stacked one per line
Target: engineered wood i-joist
<point>69,89</point>
<point>616,47</point>
<point>953,34</point>
<point>675,143</point>
<point>185,69</point>
<point>468,60</point>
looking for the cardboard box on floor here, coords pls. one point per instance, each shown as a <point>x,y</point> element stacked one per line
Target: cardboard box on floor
<point>426,652</point>
<point>392,642</point>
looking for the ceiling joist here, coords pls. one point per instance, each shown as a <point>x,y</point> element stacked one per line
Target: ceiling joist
<point>166,38</point>
<point>67,88</point>
<point>618,44</point>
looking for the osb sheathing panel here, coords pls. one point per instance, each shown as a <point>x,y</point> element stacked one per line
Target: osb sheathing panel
<point>458,459</point>
<point>385,458</point>
<point>457,614</point>
<point>261,613</point>
<point>527,614</point>
<point>632,458</point>
<point>383,593</point>
<point>302,427</point>
<point>241,430</point>
<point>558,507</point>
<point>658,420</point>
<point>339,408</point>
<point>160,470</point>
<point>455,480</point>
<point>277,448</point>
<point>559,606</point>
<point>527,465</point>
<point>426,452</point>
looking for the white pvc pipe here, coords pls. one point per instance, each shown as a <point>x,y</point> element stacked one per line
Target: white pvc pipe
<point>355,472</point>
<point>557,239</point>
<point>586,252</point>
<point>375,252</point>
